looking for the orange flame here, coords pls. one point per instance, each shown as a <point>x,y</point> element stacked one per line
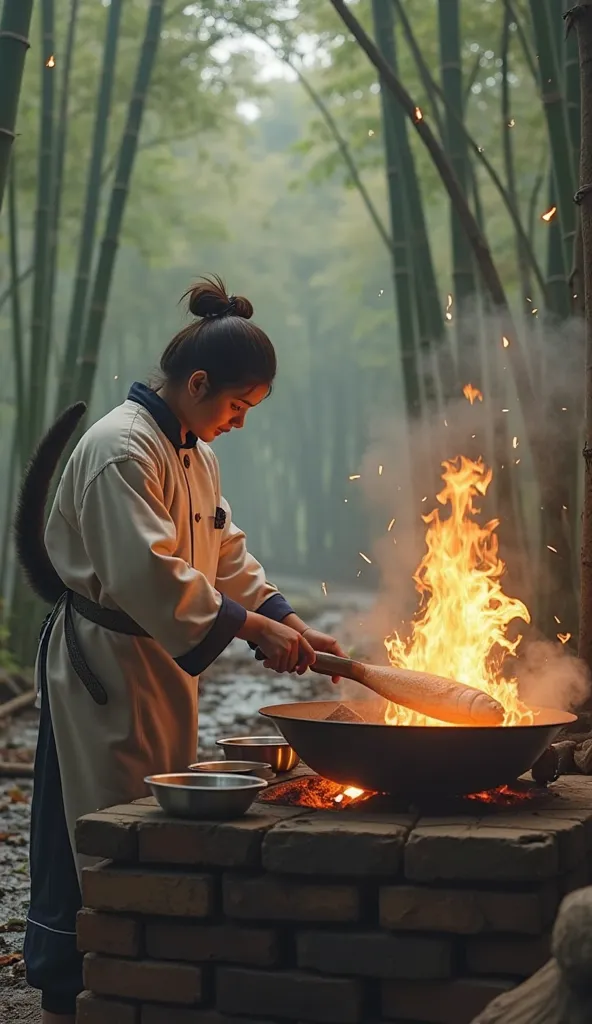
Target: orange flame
<point>472,393</point>
<point>50,62</point>
<point>548,216</point>
<point>460,630</point>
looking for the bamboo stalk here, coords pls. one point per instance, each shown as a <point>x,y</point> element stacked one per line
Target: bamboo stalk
<point>18,346</point>
<point>488,270</point>
<point>552,95</point>
<point>86,246</point>
<point>525,238</point>
<point>38,351</point>
<point>14,43</point>
<point>58,174</point>
<point>455,143</point>
<point>580,17</point>
<point>402,269</point>
<point>87,361</point>
<point>508,150</point>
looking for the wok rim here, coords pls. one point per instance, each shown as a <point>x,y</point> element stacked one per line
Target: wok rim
<point>278,711</point>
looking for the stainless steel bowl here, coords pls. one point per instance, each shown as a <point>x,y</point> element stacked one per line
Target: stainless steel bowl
<point>198,795</point>
<point>257,768</point>
<point>273,750</point>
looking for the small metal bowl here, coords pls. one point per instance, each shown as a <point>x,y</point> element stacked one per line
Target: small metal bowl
<point>197,795</point>
<point>257,768</point>
<point>273,750</point>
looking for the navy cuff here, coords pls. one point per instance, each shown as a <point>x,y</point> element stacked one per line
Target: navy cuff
<point>229,620</point>
<point>275,607</point>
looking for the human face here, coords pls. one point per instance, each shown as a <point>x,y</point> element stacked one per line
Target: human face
<point>209,416</point>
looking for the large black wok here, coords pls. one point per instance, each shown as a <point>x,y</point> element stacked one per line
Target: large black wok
<point>413,760</point>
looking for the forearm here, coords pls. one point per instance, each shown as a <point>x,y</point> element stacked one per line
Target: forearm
<point>295,622</point>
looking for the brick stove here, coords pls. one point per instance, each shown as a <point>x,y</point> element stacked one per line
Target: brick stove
<point>363,913</point>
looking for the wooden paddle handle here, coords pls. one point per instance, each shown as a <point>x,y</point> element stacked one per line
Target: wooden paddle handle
<point>332,665</point>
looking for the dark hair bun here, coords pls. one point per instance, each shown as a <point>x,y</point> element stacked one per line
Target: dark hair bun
<point>209,298</point>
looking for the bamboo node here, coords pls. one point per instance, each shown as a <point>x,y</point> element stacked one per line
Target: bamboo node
<point>582,192</point>
<point>6,34</point>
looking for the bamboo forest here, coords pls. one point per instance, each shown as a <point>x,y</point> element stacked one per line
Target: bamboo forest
<point>390,182</point>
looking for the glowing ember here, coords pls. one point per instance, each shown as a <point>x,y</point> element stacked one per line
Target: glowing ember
<point>505,341</point>
<point>50,62</point>
<point>504,795</point>
<point>315,792</point>
<point>460,630</point>
<point>564,638</point>
<point>365,557</point>
<point>472,394</point>
<point>418,114</point>
<point>448,313</point>
<point>548,216</point>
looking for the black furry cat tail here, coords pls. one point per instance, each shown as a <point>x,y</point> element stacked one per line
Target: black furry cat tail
<point>29,521</point>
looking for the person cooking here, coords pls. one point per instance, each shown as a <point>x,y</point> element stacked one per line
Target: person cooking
<point>150,579</point>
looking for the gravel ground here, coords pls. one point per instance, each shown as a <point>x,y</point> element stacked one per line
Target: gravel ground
<point>231,693</point>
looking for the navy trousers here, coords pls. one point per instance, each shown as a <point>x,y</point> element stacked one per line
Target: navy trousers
<point>52,960</point>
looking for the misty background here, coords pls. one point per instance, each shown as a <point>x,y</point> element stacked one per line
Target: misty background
<point>238,172</point>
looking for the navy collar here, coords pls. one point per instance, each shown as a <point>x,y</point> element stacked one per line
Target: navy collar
<point>161,413</point>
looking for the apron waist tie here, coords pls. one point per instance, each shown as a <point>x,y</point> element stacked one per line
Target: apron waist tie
<point>108,618</point>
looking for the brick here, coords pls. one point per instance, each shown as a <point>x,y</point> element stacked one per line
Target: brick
<point>475,853</point>
<point>152,1014</point>
<point>333,845</point>
<point>218,943</point>
<point>467,911</point>
<point>569,833</point>
<point>91,1009</point>
<point>375,954</point>
<point>143,979</point>
<point>513,957</point>
<point>208,843</point>
<point>111,837</point>
<point>112,833</point>
<point>451,1002</point>
<point>108,933</point>
<point>129,890</point>
<point>292,995</point>
<point>268,898</point>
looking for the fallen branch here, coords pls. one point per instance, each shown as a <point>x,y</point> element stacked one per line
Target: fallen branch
<point>16,770</point>
<point>12,707</point>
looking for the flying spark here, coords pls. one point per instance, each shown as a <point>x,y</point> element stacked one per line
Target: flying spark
<point>116,377</point>
<point>50,62</point>
<point>517,462</point>
<point>381,292</point>
<point>505,342</point>
<point>391,524</point>
<point>425,498</point>
<point>380,469</point>
<point>511,123</point>
<point>365,557</point>
<point>417,115</point>
<point>445,423</point>
<point>505,410</point>
<point>355,476</point>
<point>360,573</point>
<point>558,621</point>
<point>563,408</point>
<point>564,637</point>
<point>370,132</point>
<point>551,548</point>
<point>472,393</point>
<point>548,216</point>
<point>324,588</point>
<point>514,442</point>
<point>534,311</point>
<point>449,309</point>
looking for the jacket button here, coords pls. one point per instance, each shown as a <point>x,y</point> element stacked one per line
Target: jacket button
<point>186,461</point>
<point>197,517</point>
